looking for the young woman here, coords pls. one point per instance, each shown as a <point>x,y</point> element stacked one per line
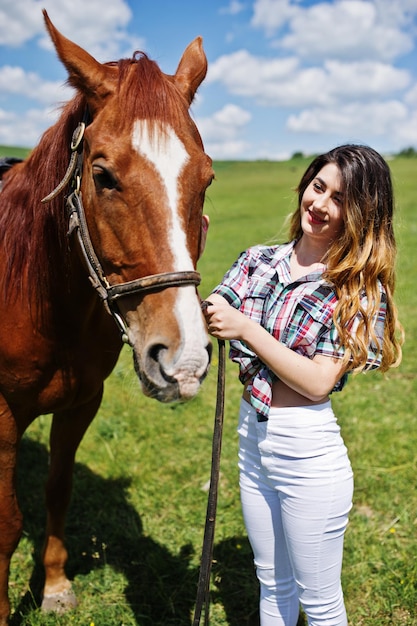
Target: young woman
<point>300,317</point>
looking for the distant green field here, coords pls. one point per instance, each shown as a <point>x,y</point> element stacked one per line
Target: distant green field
<point>21,153</point>
<point>136,524</point>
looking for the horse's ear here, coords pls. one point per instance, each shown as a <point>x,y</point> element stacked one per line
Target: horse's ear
<point>192,69</point>
<point>84,72</point>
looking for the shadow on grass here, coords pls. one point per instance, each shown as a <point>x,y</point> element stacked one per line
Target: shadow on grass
<point>104,528</point>
<point>236,582</point>
<point>236,586</point>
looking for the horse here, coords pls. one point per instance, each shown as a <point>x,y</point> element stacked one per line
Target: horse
<point>100,234</point>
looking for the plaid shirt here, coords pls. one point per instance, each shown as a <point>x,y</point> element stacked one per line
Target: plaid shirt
<point>299,314</point>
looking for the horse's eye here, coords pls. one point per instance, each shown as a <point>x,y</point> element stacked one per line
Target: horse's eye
<point>103,178</point>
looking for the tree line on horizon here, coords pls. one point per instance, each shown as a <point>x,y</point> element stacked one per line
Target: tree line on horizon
<point>409,152</point>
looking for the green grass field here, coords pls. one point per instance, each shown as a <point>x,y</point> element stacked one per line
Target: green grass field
<point>136,523</point>
<point>21,153</point>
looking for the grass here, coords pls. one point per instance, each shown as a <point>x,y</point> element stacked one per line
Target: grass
<point>21,153</point>
<point>136,523</point>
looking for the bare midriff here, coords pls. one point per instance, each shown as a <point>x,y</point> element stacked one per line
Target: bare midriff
<point>284,396</point>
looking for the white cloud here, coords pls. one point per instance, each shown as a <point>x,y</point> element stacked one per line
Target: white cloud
<point>232,115</point>
<point>227,149</point>
<point>364,79</point>
<point>14,80</point>
<point>223,124</point>
<point>411,96</point>
<point>271,15</point>
<point>407,133</point>
<point>222,132</point>
<point>283,82</point>
<point>350,29</point>
<point>19,21</point>
<point>24,129</point>
<point>246,75</point>
<point>99,27</point>
<point>355,119</point>
<point>240,68</point>
<point>233,8</point>
<point>344,29</point>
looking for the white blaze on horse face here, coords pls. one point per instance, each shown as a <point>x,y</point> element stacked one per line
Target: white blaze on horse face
<point>167,153</point>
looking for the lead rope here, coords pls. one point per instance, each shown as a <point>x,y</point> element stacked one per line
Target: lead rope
<point>203,588</point>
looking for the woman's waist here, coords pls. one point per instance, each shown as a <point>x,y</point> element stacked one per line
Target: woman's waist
<point>284,396</point>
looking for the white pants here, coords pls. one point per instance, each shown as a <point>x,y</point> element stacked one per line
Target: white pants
<point>296,487</point>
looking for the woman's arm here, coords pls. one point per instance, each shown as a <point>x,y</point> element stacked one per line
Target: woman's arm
<point>312,378</point>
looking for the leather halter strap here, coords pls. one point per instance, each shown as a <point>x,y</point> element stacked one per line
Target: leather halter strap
<point>154,282</point>
<point>78,224</point>
<point>203,587</point>
<point>107,292</point>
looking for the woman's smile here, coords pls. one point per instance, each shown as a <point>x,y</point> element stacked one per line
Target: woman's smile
<point>316,218</point>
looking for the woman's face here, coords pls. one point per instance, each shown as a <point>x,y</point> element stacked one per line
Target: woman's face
<point>321,205</point>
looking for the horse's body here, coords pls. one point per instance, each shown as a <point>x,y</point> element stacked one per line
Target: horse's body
<point>144,174</point>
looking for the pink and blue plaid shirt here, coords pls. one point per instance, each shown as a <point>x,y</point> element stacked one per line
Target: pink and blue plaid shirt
<point>299,314</point>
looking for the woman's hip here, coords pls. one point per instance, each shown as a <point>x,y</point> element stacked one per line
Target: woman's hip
<point>296,443</point>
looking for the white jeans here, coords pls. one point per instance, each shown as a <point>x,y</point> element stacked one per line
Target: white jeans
<point>296,486</point>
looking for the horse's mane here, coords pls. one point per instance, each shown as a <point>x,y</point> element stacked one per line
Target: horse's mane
<point>34,235</point>
<point>148,93</point>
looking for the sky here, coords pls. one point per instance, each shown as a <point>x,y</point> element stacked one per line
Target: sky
<point>284,76</point>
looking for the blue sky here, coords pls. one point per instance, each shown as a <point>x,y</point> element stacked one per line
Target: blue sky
<point>284,75</point>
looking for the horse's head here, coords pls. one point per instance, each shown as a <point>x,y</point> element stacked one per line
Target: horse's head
<point>144,177</point>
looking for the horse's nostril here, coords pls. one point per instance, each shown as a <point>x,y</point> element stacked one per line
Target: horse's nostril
<point>155,355</point>
<point>155,350</point>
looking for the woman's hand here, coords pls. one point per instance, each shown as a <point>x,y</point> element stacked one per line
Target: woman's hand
<point>223,320</point>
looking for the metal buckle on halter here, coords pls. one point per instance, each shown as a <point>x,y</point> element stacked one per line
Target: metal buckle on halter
<point>77,137</point>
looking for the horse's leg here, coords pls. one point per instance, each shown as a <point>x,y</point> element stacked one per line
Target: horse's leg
<point>68,429</point>
<point>10,515</point>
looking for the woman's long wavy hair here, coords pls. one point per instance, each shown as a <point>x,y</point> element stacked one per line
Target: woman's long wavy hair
<point>363,254</point>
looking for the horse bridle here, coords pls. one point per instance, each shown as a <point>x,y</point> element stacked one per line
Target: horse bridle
<point>78,225</point>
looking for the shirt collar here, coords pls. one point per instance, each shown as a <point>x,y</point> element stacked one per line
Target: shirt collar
<point>282,266</point>
<point>281,262</point>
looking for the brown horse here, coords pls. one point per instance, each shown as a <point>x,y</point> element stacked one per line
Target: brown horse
<point>126,241</point>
